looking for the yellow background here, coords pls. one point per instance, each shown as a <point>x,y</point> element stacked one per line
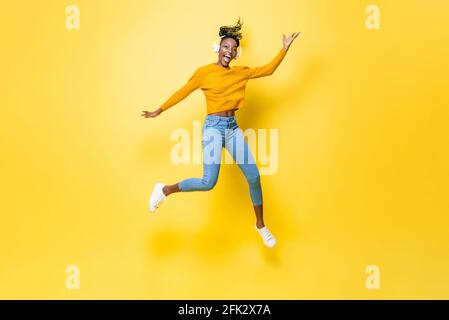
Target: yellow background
<point>363,179</point>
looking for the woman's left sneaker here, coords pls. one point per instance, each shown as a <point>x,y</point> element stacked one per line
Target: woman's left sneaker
<point>157,197</point>
<point>268,239</point>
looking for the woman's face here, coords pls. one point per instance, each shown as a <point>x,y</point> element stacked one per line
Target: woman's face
<point>228,51</point>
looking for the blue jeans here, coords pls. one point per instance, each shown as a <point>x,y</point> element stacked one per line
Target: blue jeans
<point>219,132</point>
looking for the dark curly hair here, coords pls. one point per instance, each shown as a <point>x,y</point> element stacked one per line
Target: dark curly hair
<point>232,32</point>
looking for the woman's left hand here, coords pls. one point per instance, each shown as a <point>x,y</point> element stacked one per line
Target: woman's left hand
<point>288,40</point>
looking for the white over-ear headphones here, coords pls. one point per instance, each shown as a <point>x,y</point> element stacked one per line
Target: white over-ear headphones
<point>216,47</point>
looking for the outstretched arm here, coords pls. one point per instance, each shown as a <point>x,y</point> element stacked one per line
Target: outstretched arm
<point>191,85</point>
<point>270,67</point>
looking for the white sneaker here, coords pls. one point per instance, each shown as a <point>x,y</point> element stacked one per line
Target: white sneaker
<point>157,197</point>
<point>268,239</point>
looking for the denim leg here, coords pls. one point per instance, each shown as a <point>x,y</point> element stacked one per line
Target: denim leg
<point>241,153</point>
<point>212,148</point>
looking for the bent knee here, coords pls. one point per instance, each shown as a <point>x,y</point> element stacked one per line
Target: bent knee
<point>209,184</point>
<point>254,179</point>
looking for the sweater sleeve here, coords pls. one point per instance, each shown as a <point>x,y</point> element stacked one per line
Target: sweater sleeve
<point>267,69</point>
<point>191,85</point>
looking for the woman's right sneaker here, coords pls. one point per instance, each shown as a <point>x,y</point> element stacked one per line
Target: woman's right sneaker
<point>157,197</point>
<point>268,239</point>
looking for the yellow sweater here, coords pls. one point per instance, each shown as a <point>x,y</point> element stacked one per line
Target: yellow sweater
<point>224,88</point>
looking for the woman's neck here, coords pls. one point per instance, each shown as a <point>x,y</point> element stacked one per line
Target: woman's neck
<point>218,64</point>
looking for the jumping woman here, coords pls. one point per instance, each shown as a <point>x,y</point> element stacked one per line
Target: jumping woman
<point>224,88</point>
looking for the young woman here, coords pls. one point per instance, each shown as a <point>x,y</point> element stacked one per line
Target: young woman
<point>224,88</point>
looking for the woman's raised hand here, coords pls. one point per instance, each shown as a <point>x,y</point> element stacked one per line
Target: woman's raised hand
<point>287,41</point>
<point>151,114</point>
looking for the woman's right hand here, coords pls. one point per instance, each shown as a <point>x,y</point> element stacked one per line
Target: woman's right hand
<point>151,114</point>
